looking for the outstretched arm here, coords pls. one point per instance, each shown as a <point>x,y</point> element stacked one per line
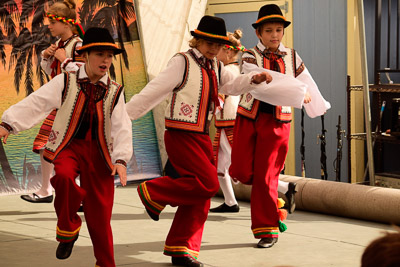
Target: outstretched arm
<point>236,85</point>
<point>157,89</point>
<point>35,107</point>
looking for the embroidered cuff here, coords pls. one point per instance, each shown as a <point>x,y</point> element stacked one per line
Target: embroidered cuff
<point>120,162</point>
<point>65,63</point>
<point>250,60</point>
<point>6,127</point>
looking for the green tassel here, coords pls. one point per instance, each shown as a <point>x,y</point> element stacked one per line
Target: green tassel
<point>282,227</point>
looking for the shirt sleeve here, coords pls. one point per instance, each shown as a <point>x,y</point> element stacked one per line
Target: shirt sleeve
<point>35,107</point>
<point>283,90</point>
<point>121,132</point>
<point>318,105</point>
<point>231,84</point>
<point>45,63</point>
<point>157,89</point>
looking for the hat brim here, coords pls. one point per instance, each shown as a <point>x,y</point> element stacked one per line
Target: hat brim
<point>285,22</point>
<point>211,39</point>
<point>116,51</point>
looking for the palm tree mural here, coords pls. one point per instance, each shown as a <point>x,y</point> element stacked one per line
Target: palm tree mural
<point>23,28</point>
<point>27,44</point>
<point>2,53</point>
<point>114,16</point>
<point>26,48</point>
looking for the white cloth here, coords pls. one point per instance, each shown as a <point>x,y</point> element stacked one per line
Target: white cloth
<point>162,86</point>
<point>169,20</point>
<point>285,90</point>
<point>224,161</point>
<point>34,108</point>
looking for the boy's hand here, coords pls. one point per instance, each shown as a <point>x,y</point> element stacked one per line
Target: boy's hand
<point>261,77</point>
<point>121,171</point>
<point>4,133</point>
<point>50,51</point>
<point>307,98</point>
<point>60,54</point>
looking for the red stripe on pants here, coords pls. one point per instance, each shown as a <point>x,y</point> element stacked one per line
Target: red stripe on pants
<point>258,156</point>
<point>191,155</point>
<point>83,158</point>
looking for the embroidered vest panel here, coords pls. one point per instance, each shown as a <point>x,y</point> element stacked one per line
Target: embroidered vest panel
<point>190,107</point>
<point>227,116</point>
<point>248,105</point>
<point>70,114</point>
<point>69,51</point>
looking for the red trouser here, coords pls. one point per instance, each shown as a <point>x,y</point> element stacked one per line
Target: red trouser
<point>83,158</point>
<point>191,155</point>
<point>258,155</point>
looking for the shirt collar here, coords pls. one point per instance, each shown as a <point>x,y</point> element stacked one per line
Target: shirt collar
<point>198,53</point>
<point>281,47</point>
<point>83,77</point>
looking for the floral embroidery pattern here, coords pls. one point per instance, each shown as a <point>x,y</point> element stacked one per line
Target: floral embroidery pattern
<point>248,98</point>
<point>53,136</point>
<point>186,110</point>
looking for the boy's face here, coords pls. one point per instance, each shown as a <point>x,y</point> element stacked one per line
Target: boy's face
<point>98,61</point>
<point>271,34</point>
<point>56,27</point>
<point>209,49</point>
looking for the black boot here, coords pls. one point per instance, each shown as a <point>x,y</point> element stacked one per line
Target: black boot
<point>290,205</point>
<point>186,261</point>
<point>267,242</point>
<point>152,215</point>
<point>64,249</point>
<point>225,208</point>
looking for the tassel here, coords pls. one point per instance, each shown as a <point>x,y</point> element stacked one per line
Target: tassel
<point>282,214</point>
<point>282,227</point>
<point>281,203</point>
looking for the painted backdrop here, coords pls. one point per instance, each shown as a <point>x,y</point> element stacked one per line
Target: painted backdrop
<point>23,35</point>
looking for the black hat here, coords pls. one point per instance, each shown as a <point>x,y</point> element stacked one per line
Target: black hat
<point>99,38</point>
<point>211,29</point>
<point>270,13</point>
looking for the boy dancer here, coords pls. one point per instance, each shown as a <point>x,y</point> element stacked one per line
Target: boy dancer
<point>91,137</point>
<point>193,80</point>
<point>261,133</point>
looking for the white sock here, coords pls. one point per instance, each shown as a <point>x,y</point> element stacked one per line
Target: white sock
<point>47,172</point>
<point>283,187</point>
<point>227,189</point>
<point>224,161</point>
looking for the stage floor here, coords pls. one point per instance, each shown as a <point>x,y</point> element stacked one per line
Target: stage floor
<point>27,237</point>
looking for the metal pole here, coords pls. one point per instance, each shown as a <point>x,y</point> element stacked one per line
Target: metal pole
<point>398,35</point>
<point>388,34</point>
<point>378,23</point>
<point>367,110</point>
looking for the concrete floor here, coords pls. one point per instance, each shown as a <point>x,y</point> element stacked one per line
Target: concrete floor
<point>27,237</point>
